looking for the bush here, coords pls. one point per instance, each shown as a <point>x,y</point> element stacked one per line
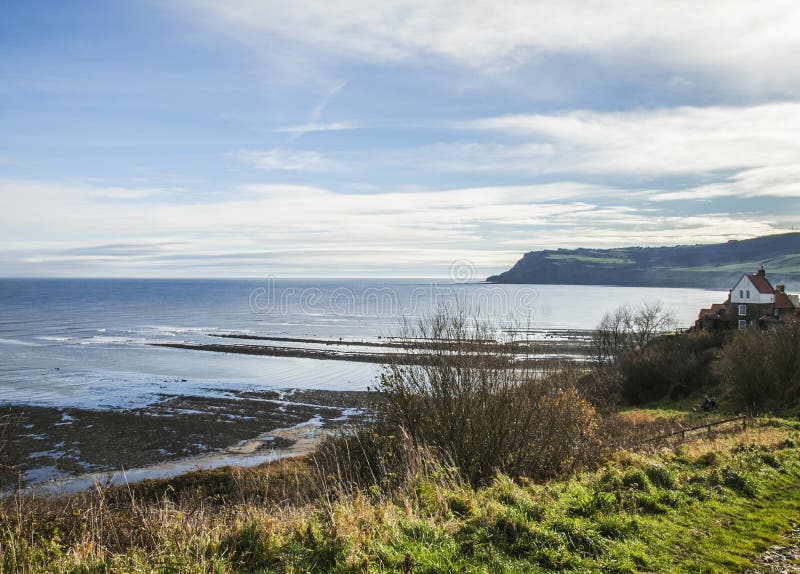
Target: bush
<point>637,361</point>
<point>674,366</point>
<point>761,369</point>
<point>474,400</point>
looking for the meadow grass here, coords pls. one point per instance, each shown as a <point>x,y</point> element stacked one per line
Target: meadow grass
<point>709,505</point>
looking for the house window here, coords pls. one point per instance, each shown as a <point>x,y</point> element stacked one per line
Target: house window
<point>742,324</point>
<point>748,293</point>
<point>742,310</point>
<point>741,293</point>
<point>777,312</point>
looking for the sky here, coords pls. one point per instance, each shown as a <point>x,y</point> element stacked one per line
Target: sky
<point>341,138</point>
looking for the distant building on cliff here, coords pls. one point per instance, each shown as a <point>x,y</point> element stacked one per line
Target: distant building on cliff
<point>753,301</point>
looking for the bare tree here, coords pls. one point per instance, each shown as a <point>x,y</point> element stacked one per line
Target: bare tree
<point>649,321</point>
<point>613,335</point>
<point>627,328</point>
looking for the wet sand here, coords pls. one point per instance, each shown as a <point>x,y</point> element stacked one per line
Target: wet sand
<point>44,443</point>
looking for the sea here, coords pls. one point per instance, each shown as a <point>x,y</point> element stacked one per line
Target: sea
<point>87,343</point>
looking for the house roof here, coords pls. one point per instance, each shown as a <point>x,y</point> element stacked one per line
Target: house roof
<point>783,301</point>
<point>716,309</point>
<point>760,283</point>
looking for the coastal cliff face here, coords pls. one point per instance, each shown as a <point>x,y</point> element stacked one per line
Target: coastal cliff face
<point>715,266</point>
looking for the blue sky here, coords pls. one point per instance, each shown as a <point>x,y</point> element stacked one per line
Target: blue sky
<point>252,138</point>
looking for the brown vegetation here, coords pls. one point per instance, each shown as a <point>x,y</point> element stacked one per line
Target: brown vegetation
<point>761,369</point>
<point>481,406</point>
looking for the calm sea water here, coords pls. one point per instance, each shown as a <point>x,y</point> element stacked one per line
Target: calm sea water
<point>86,342</point>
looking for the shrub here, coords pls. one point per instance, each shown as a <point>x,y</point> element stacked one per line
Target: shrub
<point>674,366</point>
<point>761,369</point>
<point>637,361</point>
<point>475,400</point>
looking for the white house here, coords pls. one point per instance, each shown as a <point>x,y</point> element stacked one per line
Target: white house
<point>753,290</point>
<point>752,301</point>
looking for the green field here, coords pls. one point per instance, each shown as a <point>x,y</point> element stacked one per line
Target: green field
<point>599,259</point>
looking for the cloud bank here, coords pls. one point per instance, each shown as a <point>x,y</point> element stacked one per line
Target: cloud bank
<point>750,46</point>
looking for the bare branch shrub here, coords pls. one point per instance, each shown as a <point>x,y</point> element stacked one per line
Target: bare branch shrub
<point>485,406</point>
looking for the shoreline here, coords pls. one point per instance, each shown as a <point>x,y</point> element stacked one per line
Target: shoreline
<point>297,441</point>
<point>43,444</point>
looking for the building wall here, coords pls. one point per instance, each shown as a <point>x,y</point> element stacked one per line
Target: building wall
<point>740,292</point>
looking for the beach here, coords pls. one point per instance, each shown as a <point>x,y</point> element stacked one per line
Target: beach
<point>60,446</point>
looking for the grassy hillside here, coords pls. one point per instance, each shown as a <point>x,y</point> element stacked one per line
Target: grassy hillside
<point>714,266</point>
<point>710,505</point>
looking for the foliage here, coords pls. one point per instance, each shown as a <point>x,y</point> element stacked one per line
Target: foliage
<point>760,369</point>
<point>674,366</point>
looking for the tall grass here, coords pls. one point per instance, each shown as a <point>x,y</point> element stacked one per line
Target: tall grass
<point>636,513</point>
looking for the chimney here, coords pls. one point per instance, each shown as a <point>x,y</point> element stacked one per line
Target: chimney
<point>762,272</point>
<point>780,287</point>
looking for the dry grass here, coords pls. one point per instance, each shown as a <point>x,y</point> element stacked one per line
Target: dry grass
<point>275,519</point>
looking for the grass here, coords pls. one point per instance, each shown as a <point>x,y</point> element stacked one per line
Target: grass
<point>591,259</point>
<point>706,506</point>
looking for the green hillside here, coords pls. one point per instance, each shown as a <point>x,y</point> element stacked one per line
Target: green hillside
<point>715,266</point>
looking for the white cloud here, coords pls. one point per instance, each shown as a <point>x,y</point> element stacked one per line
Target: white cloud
<point>774,181</point>
<point>283,228</point>
<point>316,127</point>
<point>634,228</point>
<point>753,45</point>
<point>287,160</point>
<point>649,143</point>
